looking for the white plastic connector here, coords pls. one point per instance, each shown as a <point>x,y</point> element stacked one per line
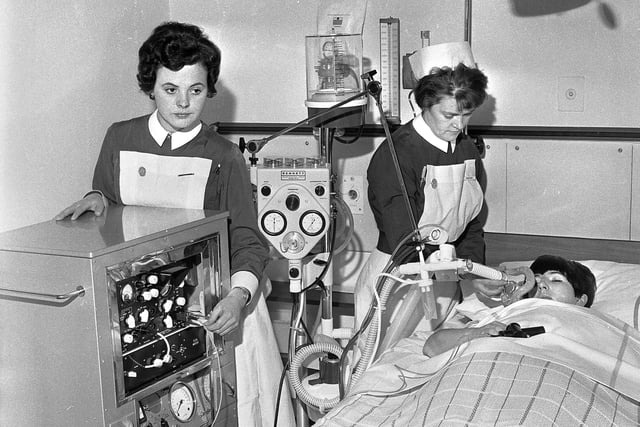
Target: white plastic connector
<point>426,286</point>
<point>130,321</point>
<point>168,322</point>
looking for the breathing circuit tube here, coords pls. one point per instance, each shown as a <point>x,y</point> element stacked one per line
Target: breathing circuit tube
<point>397,266</point>
<point>314,349</point>
<point>401,254</point>
<point>294,377</point>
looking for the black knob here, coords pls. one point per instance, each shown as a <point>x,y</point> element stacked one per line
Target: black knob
<point>292,202</point>
<point>265,190</point>
<point>319,190</point>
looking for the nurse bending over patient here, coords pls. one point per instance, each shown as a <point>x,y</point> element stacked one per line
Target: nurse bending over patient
<point>442,172</point>
<point>169,158</point>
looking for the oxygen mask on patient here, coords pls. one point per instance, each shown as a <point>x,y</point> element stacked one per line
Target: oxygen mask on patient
<point>521,282</point>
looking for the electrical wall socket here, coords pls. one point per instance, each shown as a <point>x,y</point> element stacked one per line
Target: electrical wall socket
<point>352,191</point>
<point>571,93</point>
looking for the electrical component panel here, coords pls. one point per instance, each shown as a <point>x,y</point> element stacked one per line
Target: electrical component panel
<point>159,297</point>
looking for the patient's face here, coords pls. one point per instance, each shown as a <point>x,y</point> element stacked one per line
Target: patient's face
<point>555,286</point>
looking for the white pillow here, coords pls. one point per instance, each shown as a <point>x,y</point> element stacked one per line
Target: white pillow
<point>618,289</point>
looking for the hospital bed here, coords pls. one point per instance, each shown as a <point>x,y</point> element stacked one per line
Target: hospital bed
<point>583,370</point>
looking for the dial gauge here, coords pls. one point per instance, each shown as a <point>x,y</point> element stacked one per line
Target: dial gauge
<point>274,223</point>
<point>312,223</point>
<point>182,402</point>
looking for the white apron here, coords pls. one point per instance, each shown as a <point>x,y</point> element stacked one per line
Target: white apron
<point>258,368</point>
<point>453,197</point>
<point>179,182</point>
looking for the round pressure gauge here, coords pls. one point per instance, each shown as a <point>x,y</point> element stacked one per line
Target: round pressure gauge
<point>274,223</point>
<point>312,223</point>
<point>182,402</point>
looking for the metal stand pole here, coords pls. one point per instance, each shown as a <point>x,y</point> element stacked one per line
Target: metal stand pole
<point>298,339</point>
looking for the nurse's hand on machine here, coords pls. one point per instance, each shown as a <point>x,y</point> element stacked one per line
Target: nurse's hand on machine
<point>92,202</point>
<point>225,316</point>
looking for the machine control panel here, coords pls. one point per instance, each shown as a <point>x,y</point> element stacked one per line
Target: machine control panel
<point>164,359</point>
<point>294,204</point>
<point>156,331</point>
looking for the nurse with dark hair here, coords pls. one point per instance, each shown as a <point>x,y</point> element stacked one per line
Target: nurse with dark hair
<point>442,173</point>
<point>169,158</point>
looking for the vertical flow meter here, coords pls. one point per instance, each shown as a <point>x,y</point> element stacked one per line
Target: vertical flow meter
<point>390,68</point>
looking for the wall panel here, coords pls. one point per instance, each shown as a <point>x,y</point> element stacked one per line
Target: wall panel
<point>495,163</point>
<point>635,194</point>
<point>569,188</point>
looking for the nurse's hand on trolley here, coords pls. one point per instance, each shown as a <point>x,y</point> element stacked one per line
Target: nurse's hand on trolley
<point>92,202</point>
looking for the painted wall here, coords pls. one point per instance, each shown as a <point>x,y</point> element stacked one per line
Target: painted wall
<point>532,61</point>
<point>263,47</point>
<point>69,69</point>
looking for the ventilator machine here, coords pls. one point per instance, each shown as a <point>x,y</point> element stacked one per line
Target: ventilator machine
<point>100,321</point>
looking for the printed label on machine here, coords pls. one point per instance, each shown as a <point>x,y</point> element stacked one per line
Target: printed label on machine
<point>293,175</point>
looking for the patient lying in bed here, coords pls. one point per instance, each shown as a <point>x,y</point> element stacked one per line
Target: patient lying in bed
<point>584,370</point>
<point>556,278</point>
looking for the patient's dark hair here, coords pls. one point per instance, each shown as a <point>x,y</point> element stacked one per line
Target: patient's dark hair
<point>580,277</point>
<point>174,45</point>
<point>468,86</point>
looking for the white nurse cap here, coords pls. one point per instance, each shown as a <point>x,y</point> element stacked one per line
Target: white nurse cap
<point>441,55</point>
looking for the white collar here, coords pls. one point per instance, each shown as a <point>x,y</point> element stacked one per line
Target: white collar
<point>425,131</point>
<point>178,139</point>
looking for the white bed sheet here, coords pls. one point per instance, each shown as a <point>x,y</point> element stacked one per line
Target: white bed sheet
<point>617,296</point>
<point>585,370</point>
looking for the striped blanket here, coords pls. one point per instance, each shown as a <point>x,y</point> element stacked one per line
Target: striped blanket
<point>585,370</point>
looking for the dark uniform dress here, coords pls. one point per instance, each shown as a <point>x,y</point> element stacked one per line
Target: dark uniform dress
<point>206,172</point>
<point>444,190</point>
